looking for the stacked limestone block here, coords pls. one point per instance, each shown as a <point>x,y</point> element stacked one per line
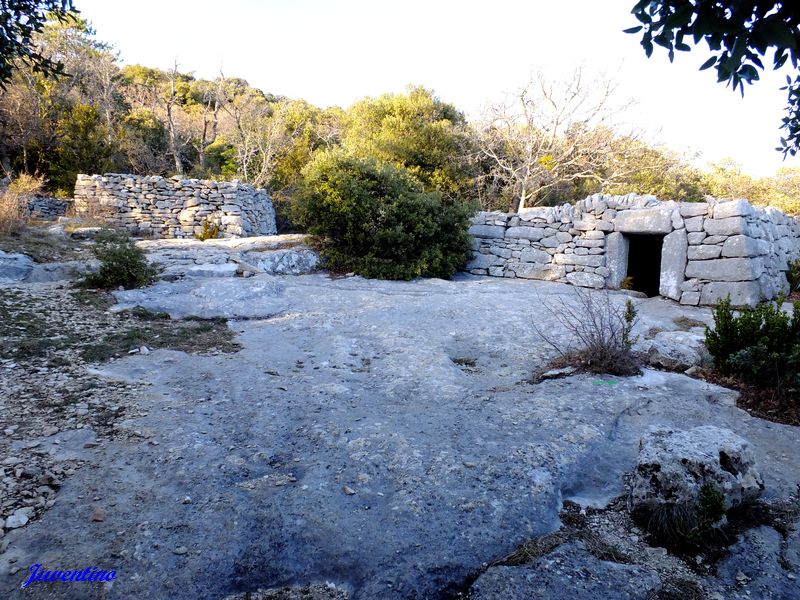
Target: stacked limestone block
<point>737,249</point>
<point>175,208</point>
<point>564,243</point>
<point>710,249</point>
<point>43,207</point>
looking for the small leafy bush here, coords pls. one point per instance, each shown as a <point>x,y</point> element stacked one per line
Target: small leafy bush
<point>600,332</point>
<point>209,231</point>
<point>760,346</point>
<point>121,264</point>
<point>377,221</point>
<point>793,275</point>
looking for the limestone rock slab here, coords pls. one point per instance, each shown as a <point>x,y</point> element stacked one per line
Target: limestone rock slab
<point>727,226</point>
<point>14,266</point>
<point>616,258</point>
<point>693,209</point>
<point>483,261</point>
<point>212,270</point>
<point>742,293</point>
<point>704,252</point>
<point>583,279</point>
<point>534,255</point>
<point>525,233</point>
<point>742,245</point>
<point>487,231</point>
<point>694,224</point>
<point>538,271</point>
<point>292,261</point>
<point>673,465</point>
<point>676,350</point>
<point>673,264</point>
<point>571,572</point>
<point>725,269</point>
<point>732,208</point>
<point>647,220</point>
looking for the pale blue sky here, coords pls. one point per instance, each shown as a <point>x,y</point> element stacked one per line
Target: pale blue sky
<point>471,53</point>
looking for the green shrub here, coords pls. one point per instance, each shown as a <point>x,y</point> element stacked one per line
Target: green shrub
<point>687,525</point>
<point>378,222</point>
<point>210,231</point>
<point>121,264</point>
<point>760,346</point>
<point>793,275</point>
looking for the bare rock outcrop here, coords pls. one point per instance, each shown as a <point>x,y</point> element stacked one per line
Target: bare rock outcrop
<point>674,465</point>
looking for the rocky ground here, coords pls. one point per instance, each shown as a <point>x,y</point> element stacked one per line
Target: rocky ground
<point>351,438</point>
<point>50,333</point>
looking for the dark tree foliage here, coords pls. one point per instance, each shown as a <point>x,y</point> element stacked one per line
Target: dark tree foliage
<point>738,33</point>
<point>19,21</point>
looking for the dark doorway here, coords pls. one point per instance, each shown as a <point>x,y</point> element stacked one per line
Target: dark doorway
<point>644,262</point>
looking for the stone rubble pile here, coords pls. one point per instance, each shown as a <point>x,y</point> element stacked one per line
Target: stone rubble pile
<point>175,208</point>
<point>710,249</point>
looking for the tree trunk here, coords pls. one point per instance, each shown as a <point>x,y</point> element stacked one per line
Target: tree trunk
<point>519,202</point>
<point>5,164</point>
<point>173,142</point>
<point>207,139</point>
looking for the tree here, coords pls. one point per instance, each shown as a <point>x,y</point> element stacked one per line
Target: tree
<point>169,104</point>
<point>658,171</point>
<point>82,147</point>
<point>246,107</point>
<point>725,179</point>
<point>785,190</point>
<point>29,112</point>
<point>142,140</point>
<point>550,135</point>
<point>21,21</point>
<point>738,33</point>
<point>33,104</point>
<point>166,95</point>
<point>307,129</point>
<point>417,131</point>
<point>90,64</point>
<point>208,99</point>
<point>782,190</point>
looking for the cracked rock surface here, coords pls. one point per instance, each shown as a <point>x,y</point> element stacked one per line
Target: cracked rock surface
<point>382,437</point>
<point>274,254</point>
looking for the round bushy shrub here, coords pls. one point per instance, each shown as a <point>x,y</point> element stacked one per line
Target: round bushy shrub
<point>122,264</point>
<point>377,221</point>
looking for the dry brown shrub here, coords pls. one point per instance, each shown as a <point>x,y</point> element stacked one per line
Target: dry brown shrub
<point>599,333</point>
<point>11,214</point>
<point>14,202</point>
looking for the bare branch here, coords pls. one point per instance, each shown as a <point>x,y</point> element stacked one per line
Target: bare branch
<point>548,134</point>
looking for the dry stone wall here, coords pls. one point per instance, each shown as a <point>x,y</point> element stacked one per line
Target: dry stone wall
<point>709,250</point>
<point>175,208</point>
<point>44,207</point>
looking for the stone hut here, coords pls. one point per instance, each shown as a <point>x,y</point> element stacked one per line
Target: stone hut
<point>174,207</point>
<point>692,252</point>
